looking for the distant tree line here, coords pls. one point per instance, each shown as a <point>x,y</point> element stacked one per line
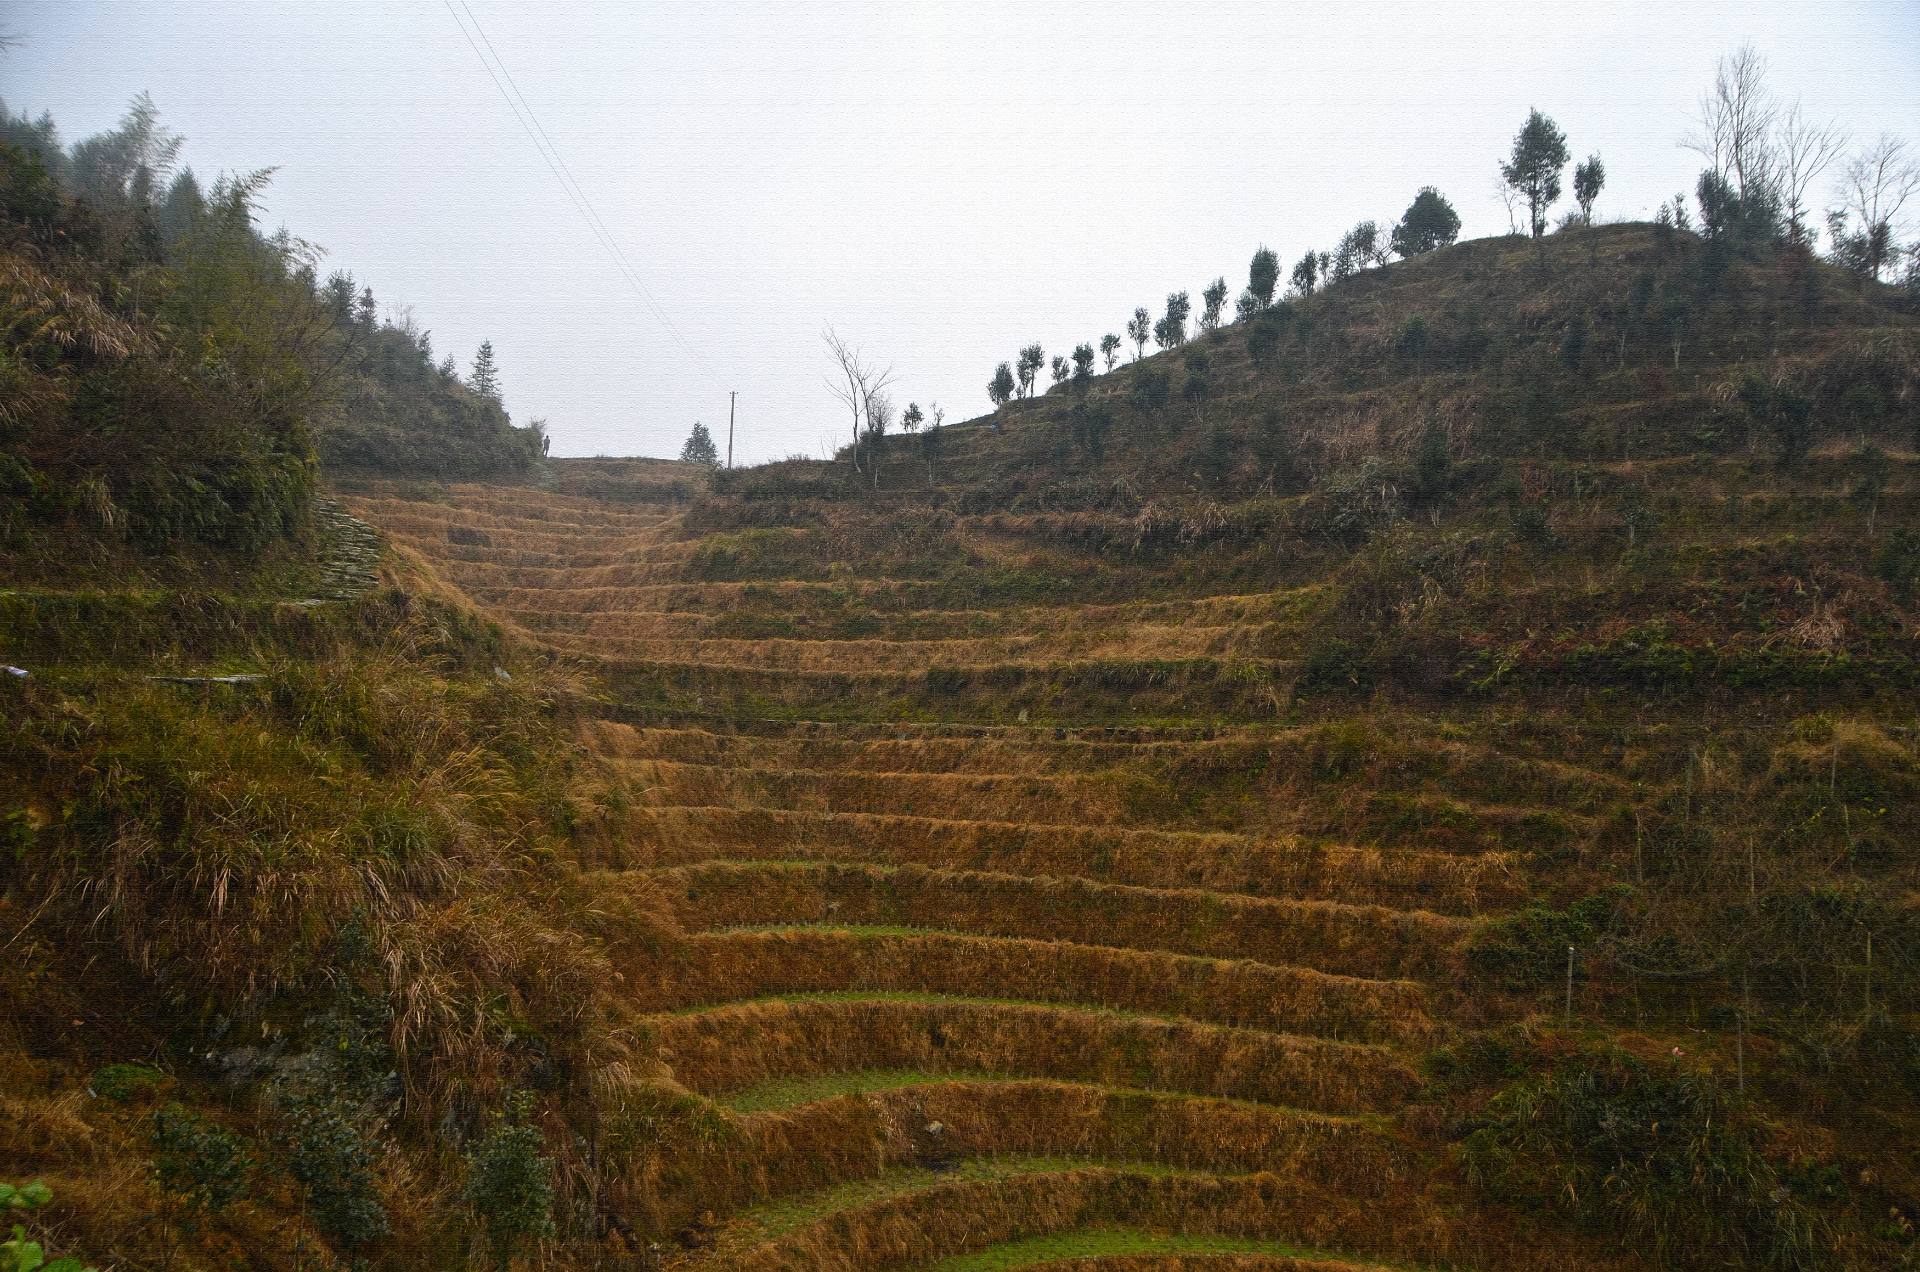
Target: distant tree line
<point>379,398</point>
<point>1755,195</point>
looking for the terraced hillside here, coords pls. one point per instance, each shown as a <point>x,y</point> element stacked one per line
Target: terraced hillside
<point>1067,875</point>
<point>1097,971</point>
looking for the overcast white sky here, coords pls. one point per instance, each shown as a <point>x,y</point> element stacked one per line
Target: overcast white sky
<point>942,182</point>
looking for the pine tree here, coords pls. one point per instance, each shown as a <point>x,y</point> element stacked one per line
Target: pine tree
<point>699,448</point>
<point>1533,170</point>
<point>486,376</point>
<point>1001,388</point>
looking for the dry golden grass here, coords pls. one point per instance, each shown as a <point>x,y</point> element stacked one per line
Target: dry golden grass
<point>882,1130</point>
<point>470,502</point>
<point>742,1045</point>
<point>1283,868</point>
<point>728,966</point>
<point>641,637</point>
<point>1077,799</point>
<point>1184,921</point>
<point>905,748</point>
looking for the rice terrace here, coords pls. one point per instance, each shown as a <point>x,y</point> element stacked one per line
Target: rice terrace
<point>1419,769</point>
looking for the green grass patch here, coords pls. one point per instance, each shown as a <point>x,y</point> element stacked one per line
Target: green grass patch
<point>1091,1243</point>
<point>961,1000</point>
<point>788,1093</point>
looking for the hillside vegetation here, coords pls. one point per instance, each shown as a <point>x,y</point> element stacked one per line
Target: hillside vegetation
<point>1423,776</point>
<point>1176,810</point>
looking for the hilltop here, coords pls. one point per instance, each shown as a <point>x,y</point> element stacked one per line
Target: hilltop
<point>1144,827</point>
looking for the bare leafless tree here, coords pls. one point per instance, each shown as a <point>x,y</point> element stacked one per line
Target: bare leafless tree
<point>1802,150</point>
<point>1878,182</point>
<point>1876,185</point>
<point>1733,126</point>
<point>1509,199</point>
<point>855,383</point>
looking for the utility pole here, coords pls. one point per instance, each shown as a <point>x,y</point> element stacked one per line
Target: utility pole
<point>732,397</point>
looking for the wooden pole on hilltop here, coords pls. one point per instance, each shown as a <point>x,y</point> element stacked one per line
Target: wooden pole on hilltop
<point>732,397</point>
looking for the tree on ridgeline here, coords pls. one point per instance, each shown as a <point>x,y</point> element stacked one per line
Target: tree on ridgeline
<point>1171,330</point>
<point>1306,274</point>
<point>486,376</point>
<point>1533,169</point>
<point>1213,302</point>
<point>1875,187</point>
<point>1140,330</point>
<point>1031,359</point>
<point>1109,346</point>
<point>1082,366</point>
<point>879,411</point>
<point>1428,223</point>
<point>1060,370</point>
<point>1803,150</point>
<point>1589,176</point>
<point>1753,142</point>
<point>911,420</point>
<point>365,311</point>
<point>1359,247</point>
<point>699,447</point>
<point>1263,275</point>
<point>1733,127</point>
<point>1000,389</point>
<point>930,438</point>
<point>855,382</point>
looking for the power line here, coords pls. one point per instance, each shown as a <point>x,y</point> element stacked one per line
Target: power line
<point>594,219</point>
<point>549,153</point>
